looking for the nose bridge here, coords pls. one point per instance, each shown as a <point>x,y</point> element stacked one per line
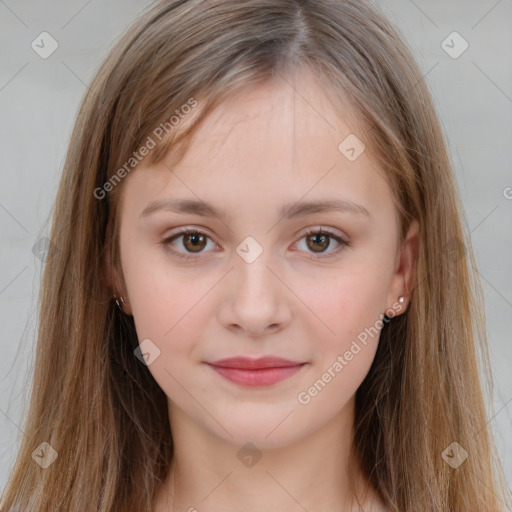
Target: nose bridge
<point>251,270</point>
<point>255,303</point>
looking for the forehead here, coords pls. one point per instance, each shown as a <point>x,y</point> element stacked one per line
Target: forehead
<point>273,142</point>
<point>300,105</point>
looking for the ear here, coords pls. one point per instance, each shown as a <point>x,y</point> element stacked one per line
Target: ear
<point>113,274</point>
<point>402,280</point>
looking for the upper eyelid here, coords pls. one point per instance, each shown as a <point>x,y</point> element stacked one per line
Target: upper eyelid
<point>303,232</point>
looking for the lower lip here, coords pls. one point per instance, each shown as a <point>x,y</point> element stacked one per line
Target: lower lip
<point>263,377</point>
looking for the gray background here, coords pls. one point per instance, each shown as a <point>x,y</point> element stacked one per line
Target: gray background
<point>39,100</point>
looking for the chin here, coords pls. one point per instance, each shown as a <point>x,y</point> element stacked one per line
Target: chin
<point>265,434</point>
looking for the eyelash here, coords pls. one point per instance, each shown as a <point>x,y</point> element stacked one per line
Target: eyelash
<point>343,243</point>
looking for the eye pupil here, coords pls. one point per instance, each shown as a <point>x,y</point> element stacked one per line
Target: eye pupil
<point>323,239</point>
<point>197,238</point>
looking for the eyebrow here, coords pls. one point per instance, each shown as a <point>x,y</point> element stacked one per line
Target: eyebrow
<point>287,211</point>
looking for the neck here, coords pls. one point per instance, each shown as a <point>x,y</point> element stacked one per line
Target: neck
<point>313,473</point>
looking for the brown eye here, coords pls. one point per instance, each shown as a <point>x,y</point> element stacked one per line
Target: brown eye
<point>188,243</point>
<point>194,242</point>
<point>319,242</point>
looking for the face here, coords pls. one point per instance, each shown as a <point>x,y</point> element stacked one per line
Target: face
<point>265,275</point>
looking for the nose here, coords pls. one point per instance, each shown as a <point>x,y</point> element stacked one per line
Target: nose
<point>256,299</point>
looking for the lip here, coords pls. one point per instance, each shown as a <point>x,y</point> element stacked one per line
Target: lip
<point>247,363</point>
<point>263,371</point>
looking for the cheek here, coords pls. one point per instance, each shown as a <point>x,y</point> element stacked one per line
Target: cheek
<point>157,298</point>
<point>345,304</point>
<point>167,310</point>
<point>171,306</point>
<point>345,342</point>
<point>344,333</point>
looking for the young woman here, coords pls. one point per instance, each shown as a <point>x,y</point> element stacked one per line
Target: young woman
<point>259,294</point>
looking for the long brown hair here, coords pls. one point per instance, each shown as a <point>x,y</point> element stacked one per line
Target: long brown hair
<point>93,401</point>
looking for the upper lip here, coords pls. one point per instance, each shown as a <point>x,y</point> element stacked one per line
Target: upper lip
<point>247,363</point>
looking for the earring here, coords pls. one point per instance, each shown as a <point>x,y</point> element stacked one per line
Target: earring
<point>401,300</point>
<point>119,302</point>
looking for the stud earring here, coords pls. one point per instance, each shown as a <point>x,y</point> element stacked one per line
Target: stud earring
<point>119,302</point>
<point>401,300</point>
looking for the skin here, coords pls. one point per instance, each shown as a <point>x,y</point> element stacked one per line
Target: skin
<point>264,147</point>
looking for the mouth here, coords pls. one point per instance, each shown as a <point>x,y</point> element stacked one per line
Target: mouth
<point>264,371</point>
